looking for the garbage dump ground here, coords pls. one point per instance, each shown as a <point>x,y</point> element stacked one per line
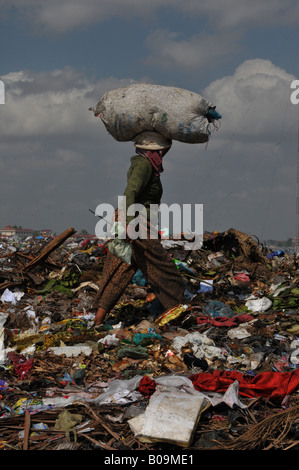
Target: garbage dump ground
<point>218,373</point>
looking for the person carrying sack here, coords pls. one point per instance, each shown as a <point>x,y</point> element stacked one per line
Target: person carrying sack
<point>143,187</point>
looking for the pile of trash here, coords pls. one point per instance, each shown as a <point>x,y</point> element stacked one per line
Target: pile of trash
<point>218,372</point>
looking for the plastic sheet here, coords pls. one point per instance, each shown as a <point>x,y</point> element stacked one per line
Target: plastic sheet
<point>120,391</point>
<point>170,416</point>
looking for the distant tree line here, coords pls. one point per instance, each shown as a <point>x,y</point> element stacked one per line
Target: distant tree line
<point>283,243</point>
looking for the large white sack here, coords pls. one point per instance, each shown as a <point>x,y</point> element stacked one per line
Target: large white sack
<point>175,113</point>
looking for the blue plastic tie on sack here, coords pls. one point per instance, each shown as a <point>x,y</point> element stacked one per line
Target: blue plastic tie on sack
<point>213,114</point>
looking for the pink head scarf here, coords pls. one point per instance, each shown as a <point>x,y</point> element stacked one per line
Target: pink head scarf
<point>155,157</point>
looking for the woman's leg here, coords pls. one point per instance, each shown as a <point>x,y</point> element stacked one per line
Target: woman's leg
<point>116,277</point>
<point>160,271</point>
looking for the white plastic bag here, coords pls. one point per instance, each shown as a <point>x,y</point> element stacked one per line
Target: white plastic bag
<point>121,250</point>
<point>258,305</point>
<point>12,297</point>
<point>119,247</point>
<point>120,391</point>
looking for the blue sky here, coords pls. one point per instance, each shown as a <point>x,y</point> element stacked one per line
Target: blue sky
<point>58,59</point>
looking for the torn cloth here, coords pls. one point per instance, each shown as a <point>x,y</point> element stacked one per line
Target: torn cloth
<point>270,384</point>
<point>224,321</point>
<point>147,386</point>
<point>22,366</point>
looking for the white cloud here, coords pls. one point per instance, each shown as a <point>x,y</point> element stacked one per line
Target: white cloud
<point>50,103</point>
<point>169,50</point>
<point>226,24</point>
<point>242,13</point>
<point>255,101</point>
<point>54,154</point>
<point>246,177</point>
<point>62,16</point>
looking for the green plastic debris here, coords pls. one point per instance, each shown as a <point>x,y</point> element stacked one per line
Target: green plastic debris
<point>145,338</point>
<point>137,352</point>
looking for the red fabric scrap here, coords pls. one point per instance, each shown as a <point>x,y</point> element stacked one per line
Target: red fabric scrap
<point>224,321</point>
<point>22,366</point>
<point>270,384</point>
<point>242,277</point>
<point>147,386</point>
<point>22,370</point>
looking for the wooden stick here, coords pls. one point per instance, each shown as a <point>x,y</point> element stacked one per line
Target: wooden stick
<point>98,443</point>
<point>26,430</point>
<point>52,246</point>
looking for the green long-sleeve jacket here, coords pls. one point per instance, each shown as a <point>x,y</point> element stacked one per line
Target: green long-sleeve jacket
<point>143,185</point>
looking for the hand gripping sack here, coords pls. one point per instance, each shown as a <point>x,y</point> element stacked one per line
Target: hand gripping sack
<point>175,113</point>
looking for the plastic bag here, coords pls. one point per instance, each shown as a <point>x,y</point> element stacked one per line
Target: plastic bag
<point>258,305</point>
<point>139,279</point>
<point>119,247</point>
<point>120,391</point>
<point>121,250</point>
<point>215,308</point>
<point>109,340</point>
<point>12,297</point>
<point>206,286</point>
<point>201,346</point>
